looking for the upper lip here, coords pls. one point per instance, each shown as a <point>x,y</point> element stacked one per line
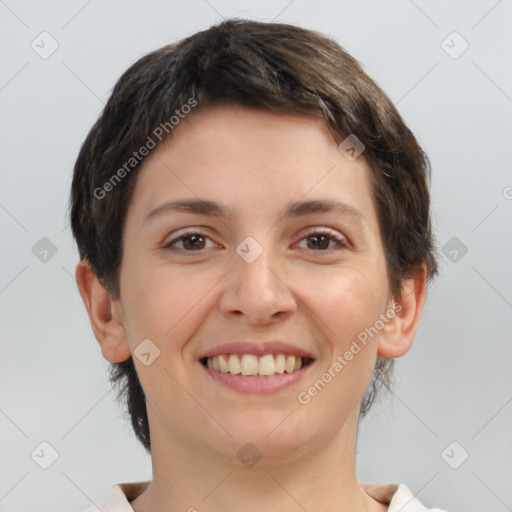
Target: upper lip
<point>257,349</point>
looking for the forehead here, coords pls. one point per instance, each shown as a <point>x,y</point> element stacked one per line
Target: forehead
<point>241,155</point>
<point>242,131</point>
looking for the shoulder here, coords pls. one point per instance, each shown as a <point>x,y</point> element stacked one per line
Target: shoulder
<point>404,501</point>
<point>398,497</point>
<point>119,497</point>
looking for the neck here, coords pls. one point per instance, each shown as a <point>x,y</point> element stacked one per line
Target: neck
<point>314,478</point>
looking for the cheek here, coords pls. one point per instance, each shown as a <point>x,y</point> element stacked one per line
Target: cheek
<point>346,300</point>
<point>147,298</point>
<point>165,303</point>
<point>343,306</point>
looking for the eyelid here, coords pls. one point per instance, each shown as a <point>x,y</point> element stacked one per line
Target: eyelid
<point>341,241</point>
<point>168,243</point>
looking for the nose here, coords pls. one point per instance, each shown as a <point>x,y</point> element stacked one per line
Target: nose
<point>258,291</point>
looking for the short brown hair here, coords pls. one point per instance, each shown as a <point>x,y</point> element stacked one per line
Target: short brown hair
<point>271,66</point>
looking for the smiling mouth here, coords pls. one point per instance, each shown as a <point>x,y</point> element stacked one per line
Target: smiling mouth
<point>251,365</point>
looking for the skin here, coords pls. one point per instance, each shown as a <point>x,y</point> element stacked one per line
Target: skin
<point>316,298</point>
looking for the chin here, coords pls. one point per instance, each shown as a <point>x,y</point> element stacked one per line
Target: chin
<point>271,432</point>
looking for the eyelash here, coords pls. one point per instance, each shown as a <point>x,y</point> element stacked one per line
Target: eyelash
<point>342,243</point>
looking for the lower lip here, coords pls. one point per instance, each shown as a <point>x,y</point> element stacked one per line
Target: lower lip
<point>257,383</point>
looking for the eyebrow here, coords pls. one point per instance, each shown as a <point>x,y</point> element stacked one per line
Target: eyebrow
<point>292,209</point>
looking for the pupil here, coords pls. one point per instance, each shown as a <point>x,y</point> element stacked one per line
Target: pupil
<point>193,240</point>
<point>317,237</point>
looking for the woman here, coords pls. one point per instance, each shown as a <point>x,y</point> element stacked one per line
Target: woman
<point>253,221</point>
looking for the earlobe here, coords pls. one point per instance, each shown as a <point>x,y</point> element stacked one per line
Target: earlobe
<point>397,336</point>
<point>108,328</point>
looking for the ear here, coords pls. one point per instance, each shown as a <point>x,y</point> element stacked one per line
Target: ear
<point>398,334</point>
<point>105,314</point>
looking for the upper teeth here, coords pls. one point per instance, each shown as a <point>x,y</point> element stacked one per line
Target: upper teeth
<point>249,364</point>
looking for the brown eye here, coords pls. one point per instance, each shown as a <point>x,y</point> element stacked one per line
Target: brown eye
<point>193,242</point>
<point>319,241</point>
<point>189,242</point>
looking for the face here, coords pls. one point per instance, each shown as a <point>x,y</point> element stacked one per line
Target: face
<point>243,265</point>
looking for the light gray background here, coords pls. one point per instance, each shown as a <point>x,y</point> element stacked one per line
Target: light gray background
<point>454,385</point>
